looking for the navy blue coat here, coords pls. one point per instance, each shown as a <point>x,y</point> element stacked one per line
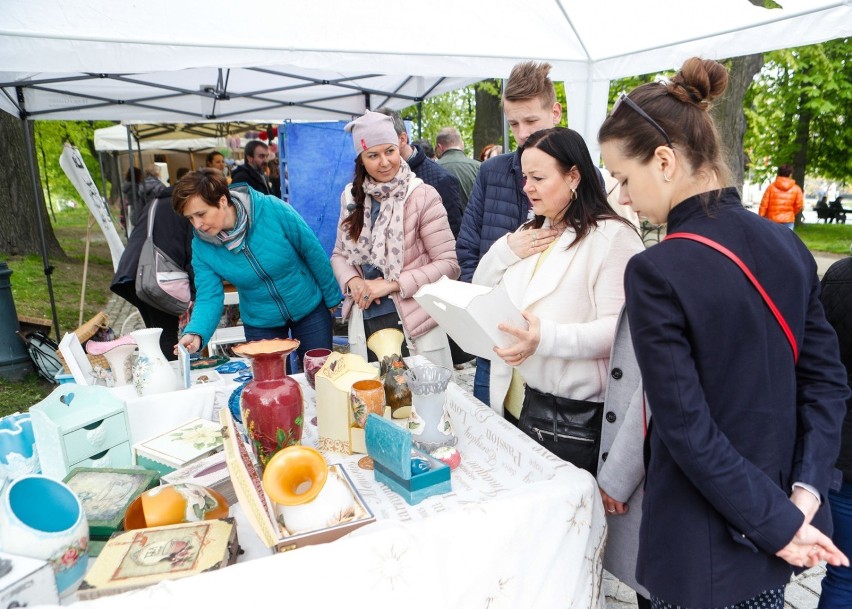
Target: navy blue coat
<point>444,182</point>
<point>734,423</point>
<point>497,205</point>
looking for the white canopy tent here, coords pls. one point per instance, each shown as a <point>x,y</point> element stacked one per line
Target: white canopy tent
<point>114,139</point>
<point>273,60</point>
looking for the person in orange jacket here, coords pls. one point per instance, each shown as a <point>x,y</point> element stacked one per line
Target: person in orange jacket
<point>783,199</point>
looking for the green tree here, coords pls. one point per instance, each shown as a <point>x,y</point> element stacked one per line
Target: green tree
<point>454,108</point>
<point>50,137</point>
<point>799,111</point>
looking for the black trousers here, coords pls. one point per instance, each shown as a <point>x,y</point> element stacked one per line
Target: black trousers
<point>153,318</point>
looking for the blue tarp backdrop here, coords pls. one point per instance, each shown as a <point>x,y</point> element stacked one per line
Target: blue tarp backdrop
<point>320,163</point>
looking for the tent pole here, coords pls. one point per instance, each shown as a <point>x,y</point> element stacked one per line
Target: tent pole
<point>133,190</point>
<point>48,269</point>
<point>103,176</point>
<point>419,120</point>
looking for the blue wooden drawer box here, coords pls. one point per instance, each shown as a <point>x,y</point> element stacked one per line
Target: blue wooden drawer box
<point>83,426</point>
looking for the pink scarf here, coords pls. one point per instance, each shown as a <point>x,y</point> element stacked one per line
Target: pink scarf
<point>381,245</point>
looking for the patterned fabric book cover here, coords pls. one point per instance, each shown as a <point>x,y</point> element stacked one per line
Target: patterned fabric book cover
<point>135,559</point>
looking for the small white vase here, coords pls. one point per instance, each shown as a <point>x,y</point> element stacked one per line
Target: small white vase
<point>332,505</point>
<point>116,353</point>
<point>43,518</point>
<point>152,372</point>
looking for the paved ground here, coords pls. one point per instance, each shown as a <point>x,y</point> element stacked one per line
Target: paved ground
<point>802,593</point>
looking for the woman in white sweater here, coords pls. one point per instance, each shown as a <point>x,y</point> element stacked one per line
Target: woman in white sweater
<point>564,269</point>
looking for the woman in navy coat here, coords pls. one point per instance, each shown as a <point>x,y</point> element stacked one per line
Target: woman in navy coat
<point>743,439</point>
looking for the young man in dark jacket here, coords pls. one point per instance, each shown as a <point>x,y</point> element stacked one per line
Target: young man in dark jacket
<point>497,204</point>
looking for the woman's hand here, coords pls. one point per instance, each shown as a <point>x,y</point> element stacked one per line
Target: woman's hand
<point>365,292</point>
<point>532,241</point>
<point>527,340</point>
<point>611,505</point>
<point>809,547</point>
<point>192,343</point>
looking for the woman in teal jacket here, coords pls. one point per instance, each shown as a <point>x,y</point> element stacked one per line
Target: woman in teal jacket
<point>265,249</point>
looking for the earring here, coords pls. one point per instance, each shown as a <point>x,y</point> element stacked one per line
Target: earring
<point>666,178</point>
<point>573,194</point>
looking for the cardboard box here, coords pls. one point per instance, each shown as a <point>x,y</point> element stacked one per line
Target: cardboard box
<point>258,507</point>
<point>335,421</point>
<point>178,447</point>
<point>390,447</point>
<point>30,581</point>
<point>106,493</point>
<point>211,472</point>
<point>135,559</point>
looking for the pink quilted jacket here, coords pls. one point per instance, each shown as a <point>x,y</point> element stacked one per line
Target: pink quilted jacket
<point>429,251</point>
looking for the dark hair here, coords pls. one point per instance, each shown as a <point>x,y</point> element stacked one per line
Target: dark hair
<point>590,206</point>
<point>354,222</point>
<point>680,107</point>
<point>785,171</point>
<point>252,146</point>
<point>208,183</point>
<point>425,147</point>
<point>136,172</point>
<point>212,155</point>
<point>182,171</point>
<point>530,80</point>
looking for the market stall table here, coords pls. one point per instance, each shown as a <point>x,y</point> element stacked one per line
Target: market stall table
<point>520,528</point>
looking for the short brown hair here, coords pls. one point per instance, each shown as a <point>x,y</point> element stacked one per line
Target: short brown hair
<point>785,171</point>
<point>207,183</point>
<point>530,80</point>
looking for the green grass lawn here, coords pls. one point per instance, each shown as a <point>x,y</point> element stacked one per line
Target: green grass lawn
<point>833,238</point>
<point>29,290</point>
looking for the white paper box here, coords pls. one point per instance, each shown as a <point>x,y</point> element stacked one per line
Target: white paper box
<point>30,582</point>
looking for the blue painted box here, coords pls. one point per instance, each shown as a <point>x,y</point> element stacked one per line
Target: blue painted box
<point>390,447</point>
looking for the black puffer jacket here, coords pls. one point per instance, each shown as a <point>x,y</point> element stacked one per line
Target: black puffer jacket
<point>444,182</point>
<point>496,206</point>
<point>836,299</point>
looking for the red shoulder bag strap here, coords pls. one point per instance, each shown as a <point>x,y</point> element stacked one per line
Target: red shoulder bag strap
<point>736,260</point>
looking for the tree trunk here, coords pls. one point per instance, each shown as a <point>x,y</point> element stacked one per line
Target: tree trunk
<point>803,134</point>
<point>729,115</point>
<point>488,125</point>
<point>19,233</point>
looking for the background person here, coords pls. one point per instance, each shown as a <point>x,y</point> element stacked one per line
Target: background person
<point>451,156</point>
<point>253,170</point>
<point>488,151</point>
<point>265,249</point>
<point>173,235</point>
<point>783,200</point>
<point>743,438</point>
<point>835,296</point>
<point>393,238</point>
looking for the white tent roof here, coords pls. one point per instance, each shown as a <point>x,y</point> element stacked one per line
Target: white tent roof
<point>114,139</point>
<point>272,60</point>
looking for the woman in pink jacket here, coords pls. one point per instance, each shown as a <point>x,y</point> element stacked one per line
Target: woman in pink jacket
<point>393,238</point>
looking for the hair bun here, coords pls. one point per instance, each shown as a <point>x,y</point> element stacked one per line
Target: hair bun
<point>699,81</point>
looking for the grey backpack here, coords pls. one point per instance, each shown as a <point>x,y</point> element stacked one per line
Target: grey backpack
<point>160,281</point>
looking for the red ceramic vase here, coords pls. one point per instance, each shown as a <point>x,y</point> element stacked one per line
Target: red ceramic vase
<point>271,403</point>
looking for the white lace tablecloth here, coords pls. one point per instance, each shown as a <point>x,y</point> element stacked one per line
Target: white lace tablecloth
<point>520,528</point>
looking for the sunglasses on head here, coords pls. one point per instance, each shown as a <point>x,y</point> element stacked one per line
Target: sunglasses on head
<point>635,107</point>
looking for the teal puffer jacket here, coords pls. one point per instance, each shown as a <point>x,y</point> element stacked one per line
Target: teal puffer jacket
<point>281,273</point>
